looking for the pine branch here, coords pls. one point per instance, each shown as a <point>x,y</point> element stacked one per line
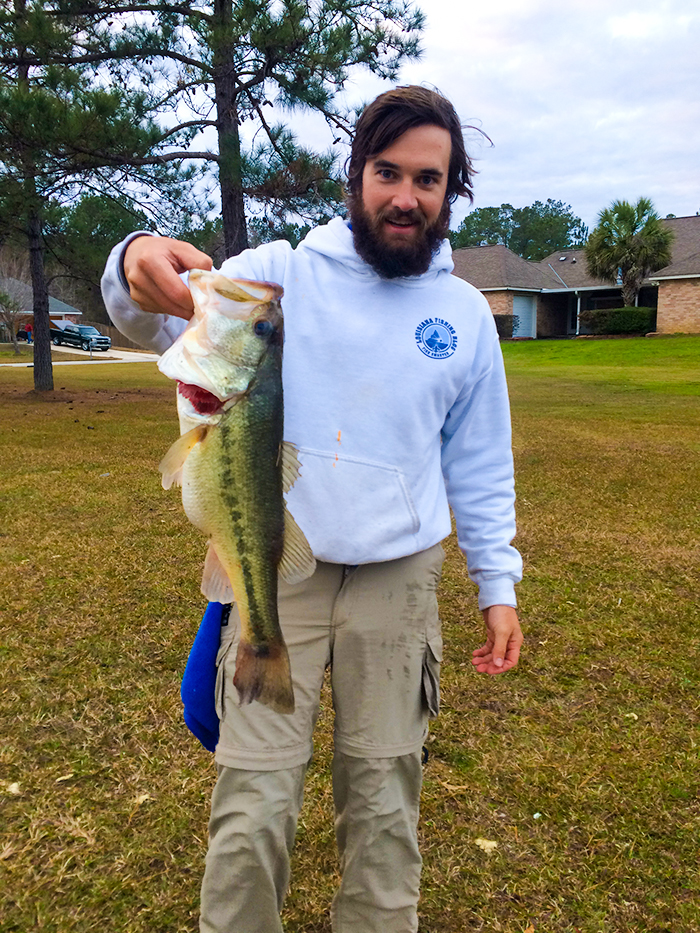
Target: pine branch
<point>110,159</point>
<point>184,126</point>
<point>106,11</point>
<point>95,58</point>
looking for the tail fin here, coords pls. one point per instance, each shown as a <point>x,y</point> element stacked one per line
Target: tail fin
<point>263,674</point>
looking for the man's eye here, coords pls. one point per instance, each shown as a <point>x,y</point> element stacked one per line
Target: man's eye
<point>428,180</point>
<point>386,173</point>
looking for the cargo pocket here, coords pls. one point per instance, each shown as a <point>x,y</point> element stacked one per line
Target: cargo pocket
<point>431,676</point>
<point>228,639</point>
<point>433,642</point>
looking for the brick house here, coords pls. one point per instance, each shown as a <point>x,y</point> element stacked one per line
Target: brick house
<point>511,285</point>
<point>548,296</point>
<point>678,284</point>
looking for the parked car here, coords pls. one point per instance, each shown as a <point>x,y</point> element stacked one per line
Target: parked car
<point>81,335</point>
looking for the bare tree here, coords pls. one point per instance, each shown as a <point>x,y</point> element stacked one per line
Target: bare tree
<point>10,314</point>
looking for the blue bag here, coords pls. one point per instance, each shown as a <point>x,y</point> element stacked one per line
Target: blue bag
<point>199,680</point>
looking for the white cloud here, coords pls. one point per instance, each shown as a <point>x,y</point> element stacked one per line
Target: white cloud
<point>585,102</point>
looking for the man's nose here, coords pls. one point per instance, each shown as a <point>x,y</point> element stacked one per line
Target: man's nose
<point>405,196</point>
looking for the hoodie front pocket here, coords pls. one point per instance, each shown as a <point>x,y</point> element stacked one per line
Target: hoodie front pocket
<point>364,504</point>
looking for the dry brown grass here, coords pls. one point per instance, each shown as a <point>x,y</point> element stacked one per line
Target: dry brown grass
<point>104,794</point>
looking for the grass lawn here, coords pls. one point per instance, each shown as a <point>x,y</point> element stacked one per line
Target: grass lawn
<point>26,354</point>
<point>583,765</point>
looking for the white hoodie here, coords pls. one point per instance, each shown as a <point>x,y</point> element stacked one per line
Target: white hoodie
<point>395,395</point>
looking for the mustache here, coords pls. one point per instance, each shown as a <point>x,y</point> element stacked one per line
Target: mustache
<point>395,215</point>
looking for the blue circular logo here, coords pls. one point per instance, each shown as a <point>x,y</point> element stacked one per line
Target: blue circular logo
<point>436,338</point>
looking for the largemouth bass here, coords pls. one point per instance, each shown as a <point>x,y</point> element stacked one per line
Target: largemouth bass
<point>234,467</point>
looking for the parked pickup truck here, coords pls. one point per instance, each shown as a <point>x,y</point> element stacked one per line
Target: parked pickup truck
<point>81,335</point>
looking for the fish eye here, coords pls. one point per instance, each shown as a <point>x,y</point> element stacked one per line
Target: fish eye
<point>263,328</point>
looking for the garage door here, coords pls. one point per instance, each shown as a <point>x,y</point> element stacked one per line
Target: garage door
<point>525,308</point>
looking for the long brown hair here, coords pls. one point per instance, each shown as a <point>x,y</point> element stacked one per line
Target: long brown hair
<point>402,109</point>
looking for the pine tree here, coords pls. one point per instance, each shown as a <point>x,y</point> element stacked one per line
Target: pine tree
<point>227,61</point>
<point>60,126</point>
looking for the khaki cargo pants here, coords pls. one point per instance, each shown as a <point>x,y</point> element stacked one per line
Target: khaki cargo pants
<point>376,627</point>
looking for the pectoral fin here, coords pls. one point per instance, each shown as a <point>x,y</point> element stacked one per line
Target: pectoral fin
<point>297,563</point>
<point>171,464</point>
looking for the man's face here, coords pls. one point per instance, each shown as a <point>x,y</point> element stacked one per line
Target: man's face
<point>403,216</point>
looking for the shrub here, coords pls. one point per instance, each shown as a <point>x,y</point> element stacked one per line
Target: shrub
<point>619,320</point>
<point>505,325</point>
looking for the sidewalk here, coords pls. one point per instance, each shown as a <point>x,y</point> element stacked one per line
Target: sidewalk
<point>111,356</point>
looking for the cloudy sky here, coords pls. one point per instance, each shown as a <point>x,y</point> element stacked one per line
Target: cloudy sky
<point>586,101</point>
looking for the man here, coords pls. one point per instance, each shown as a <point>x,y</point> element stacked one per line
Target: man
<point>396,397</point>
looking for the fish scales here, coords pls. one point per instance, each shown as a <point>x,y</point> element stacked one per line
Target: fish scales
<point>253,430</point>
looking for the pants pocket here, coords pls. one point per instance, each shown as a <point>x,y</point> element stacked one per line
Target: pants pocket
<point>228,639</point>
<point>431,677</point>
<point>432,658</point>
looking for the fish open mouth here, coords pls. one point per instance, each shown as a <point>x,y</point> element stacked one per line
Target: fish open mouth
<point>203,401</point>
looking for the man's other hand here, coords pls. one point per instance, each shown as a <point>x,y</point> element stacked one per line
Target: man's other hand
<point>503,640</point>
<point>152,266</point>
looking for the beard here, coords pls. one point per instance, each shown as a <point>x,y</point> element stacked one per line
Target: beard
<point>387,260</point>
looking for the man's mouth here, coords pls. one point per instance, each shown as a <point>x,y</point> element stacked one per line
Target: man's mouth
<point>402,222</point>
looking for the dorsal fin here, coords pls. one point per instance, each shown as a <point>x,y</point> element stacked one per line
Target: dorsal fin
<point>290,465</point>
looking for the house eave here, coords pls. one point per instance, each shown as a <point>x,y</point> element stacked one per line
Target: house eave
<point>580,288</point>
<point>670,278</point>
<point>571,289</point>
<point>511,288</point>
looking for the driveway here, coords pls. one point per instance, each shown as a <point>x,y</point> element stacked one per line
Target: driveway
<point>97,357</point>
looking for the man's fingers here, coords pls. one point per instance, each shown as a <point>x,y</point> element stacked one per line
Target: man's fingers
<point>152,266</point>
<point>488,665</point>
<point>513,651</point>
<point>500,647</point>
<point>504,656</point>
<point>157,287</point>
<point>189,256</point>
<point>483,651</point>
<point>501,651</point>
<point>181,256</point>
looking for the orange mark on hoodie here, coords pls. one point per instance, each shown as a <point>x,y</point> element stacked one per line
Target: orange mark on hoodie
<point>336,456</point>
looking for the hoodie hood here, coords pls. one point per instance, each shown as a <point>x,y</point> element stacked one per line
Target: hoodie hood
<point>334,240</point>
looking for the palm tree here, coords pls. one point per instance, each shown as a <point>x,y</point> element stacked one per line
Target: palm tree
<point>629,243</point>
